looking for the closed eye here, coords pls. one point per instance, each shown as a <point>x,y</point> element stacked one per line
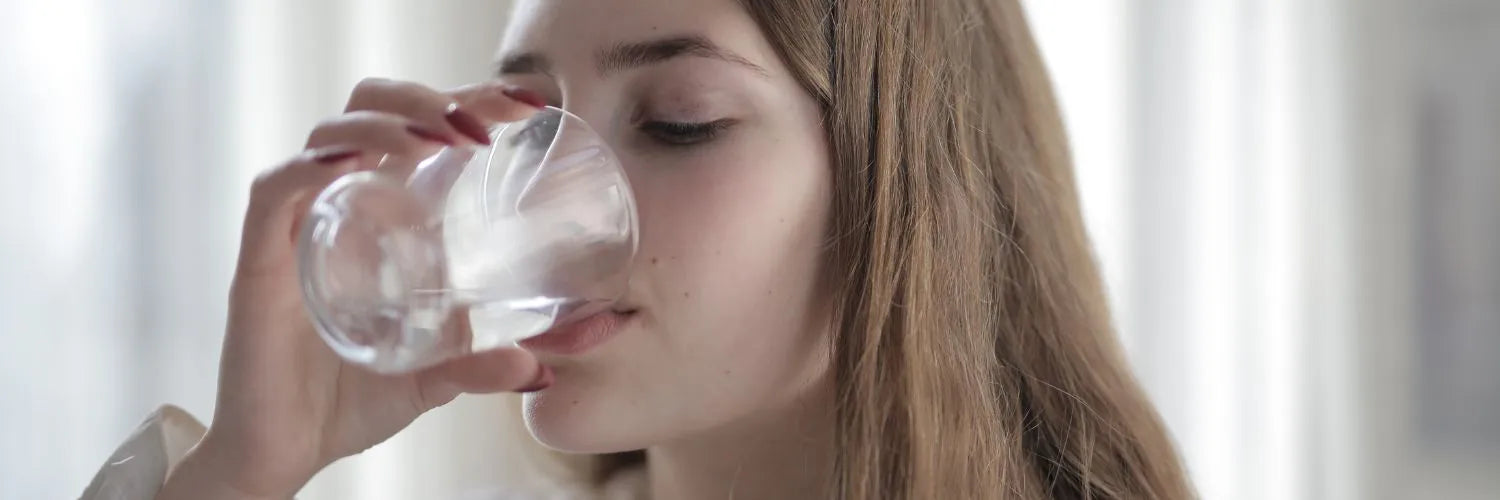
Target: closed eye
<point>685,133</point>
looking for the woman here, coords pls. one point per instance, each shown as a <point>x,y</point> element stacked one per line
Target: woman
<point>862,269</point>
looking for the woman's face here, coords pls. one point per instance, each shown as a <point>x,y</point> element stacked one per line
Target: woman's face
<point>727,157</point>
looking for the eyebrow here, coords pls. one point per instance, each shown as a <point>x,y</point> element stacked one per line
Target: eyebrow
<point>630,55</point>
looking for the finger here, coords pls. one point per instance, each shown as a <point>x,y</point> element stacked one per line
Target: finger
<point>463,114</point>
<point>494,102</point>
<point>277,195</point>
<point>418,103</point>
<point>397,166</point>
<point>384,135</point>
<point>505,369</point>
<point>460,116</point>
<point>377,132</point>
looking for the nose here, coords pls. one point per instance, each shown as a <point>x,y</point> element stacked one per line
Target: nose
<point>595,120</point>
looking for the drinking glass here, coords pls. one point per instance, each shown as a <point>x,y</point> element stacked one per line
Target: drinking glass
<point>480,247</point>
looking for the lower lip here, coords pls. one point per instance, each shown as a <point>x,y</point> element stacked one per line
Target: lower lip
<point>580,336</point>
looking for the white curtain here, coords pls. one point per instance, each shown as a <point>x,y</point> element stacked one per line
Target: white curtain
<point>1295,204</point>
<point>1203,133</point>
<point>1246,168</point>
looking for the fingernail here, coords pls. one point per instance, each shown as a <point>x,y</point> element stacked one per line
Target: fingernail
<point>428,134</point>
<point>468,125</point>
<point>543,380</point>
<point>335,156</point>
<point>524,96</point>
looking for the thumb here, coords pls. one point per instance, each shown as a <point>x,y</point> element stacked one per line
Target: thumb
<point>507,369</point>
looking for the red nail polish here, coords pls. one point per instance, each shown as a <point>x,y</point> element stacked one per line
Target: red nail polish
<point>543,380</point>
<point>428,134</point>
<point>468,125</point>
<point>335,156</point>
<point>524,96</point>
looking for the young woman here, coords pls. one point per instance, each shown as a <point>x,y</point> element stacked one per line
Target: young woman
<point>862,269</point>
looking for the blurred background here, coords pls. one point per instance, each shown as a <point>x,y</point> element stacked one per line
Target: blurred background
<point>1296,204</point>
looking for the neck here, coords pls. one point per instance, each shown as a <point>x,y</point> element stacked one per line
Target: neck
<point>786,454</point>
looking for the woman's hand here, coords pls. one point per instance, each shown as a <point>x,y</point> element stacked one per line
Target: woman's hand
<point>287,405</point>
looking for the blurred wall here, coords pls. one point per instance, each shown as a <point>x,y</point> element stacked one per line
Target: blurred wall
<point>1456,249</point>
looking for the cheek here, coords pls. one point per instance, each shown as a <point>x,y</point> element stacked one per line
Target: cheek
<point>745,225</point>
<point>732,251</point>
<point>727,272</point>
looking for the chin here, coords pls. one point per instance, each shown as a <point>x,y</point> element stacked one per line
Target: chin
<point>573,416</point>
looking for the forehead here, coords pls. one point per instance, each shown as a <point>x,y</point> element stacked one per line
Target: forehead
<point>572,31</point>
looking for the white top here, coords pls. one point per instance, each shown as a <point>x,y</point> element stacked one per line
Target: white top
<point>138,467</point>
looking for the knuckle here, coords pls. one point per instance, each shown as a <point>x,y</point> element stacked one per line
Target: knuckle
<point>370,85</point>
<point>357,123</point>
<point>268,181</point>
<point>367,115</point>
<point>404,86</point>
<point>261,190</point>
<point>322,130</point>
<point>372,93</point>
<point>366,92</point>
<point>330,122</point>
<point>264,180</point>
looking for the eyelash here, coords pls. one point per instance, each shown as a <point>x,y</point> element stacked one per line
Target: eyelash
<point>685,134</point>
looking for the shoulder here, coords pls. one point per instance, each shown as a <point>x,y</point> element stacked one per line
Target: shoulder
<point>137,467</point>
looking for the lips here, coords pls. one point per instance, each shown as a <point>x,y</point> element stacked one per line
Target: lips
<point>580,336</point>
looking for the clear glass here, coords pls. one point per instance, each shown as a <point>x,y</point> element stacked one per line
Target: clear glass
<point>479,248</point>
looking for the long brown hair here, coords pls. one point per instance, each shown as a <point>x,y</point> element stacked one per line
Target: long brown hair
<point>973,351</point>
<point>974,355</point>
